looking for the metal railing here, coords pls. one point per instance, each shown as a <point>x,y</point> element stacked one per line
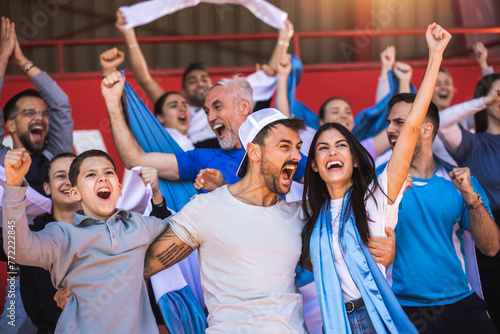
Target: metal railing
<point>60,44</point>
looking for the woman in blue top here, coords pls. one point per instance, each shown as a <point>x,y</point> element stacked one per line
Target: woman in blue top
<point>347,204</point>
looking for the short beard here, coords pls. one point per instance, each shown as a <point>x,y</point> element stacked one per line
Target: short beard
<point>272,182</point>
<point>196,101</point>
<point>34,149</point>
<point>229,142</point>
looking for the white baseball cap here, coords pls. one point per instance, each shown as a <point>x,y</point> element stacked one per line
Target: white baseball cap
<point>251,127</point>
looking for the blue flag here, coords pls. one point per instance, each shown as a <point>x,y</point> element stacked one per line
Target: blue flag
<point>153,137</point>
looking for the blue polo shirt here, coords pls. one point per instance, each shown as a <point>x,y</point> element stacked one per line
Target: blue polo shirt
<point>227,161</point>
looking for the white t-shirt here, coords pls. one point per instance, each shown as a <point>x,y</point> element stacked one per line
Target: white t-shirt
<point>248,256</point>
<point>381,215</point>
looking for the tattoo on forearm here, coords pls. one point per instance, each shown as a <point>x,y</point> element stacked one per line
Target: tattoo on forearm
<point>166,257</point>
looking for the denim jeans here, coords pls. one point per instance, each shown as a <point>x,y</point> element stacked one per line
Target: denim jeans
<point>360,321</point>
<point>21,324</point>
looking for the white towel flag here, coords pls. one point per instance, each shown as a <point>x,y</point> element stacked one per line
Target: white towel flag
<point>148,11</point>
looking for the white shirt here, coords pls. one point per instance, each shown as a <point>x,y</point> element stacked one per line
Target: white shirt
<point>248,256</point>
<point>380,214</point>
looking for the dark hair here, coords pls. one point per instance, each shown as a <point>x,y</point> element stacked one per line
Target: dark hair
<point>46,177</point>
<point>321,113</point>
<point>444,70</point>
<point>161,101</point>
<point>11,105</point>
<point>482,89</point>
<point>295,124</point>
<point>190,68</point>
<point>316,193</point>
<point>74,170</point>
<point>432,115</point>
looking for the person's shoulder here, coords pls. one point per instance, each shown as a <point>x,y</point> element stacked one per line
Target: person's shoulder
<point>199,200</point>
<point>291,207</point>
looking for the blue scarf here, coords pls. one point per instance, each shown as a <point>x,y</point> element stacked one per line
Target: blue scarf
<point>386,314</point>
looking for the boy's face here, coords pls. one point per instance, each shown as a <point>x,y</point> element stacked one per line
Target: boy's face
<point>98,188</point>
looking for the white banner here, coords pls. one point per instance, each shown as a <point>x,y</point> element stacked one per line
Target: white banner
<point>148,11</point>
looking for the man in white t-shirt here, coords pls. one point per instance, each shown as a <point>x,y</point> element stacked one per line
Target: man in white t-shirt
<point>248,238</point>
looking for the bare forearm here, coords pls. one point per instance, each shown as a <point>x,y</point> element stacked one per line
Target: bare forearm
<point>126,145</point>
<point>282,95</point>
<point>399,164</point>
<point>279,51</point>
<point>140,68</point>
<point>424,95</point>
<point>484,230</point>
<point>164,252</point>
<point>404,86</point>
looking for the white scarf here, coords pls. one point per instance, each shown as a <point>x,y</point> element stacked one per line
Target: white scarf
<point>148,11</point>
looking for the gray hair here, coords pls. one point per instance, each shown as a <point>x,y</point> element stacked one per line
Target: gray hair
<point>239,88</point>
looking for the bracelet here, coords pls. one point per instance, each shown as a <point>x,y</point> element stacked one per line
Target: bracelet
<point>29,68</point>
<point>133,45</point>
<point>475,204</point>
<point>280,42</point>
<point>21,68</point>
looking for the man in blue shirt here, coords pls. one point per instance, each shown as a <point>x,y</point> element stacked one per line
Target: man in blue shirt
<point>429,274</point>
<point>227,106</point>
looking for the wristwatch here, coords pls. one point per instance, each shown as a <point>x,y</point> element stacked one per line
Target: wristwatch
<point>475,204</point>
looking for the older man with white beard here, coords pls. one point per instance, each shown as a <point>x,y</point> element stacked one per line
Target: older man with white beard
<point>227,106</point>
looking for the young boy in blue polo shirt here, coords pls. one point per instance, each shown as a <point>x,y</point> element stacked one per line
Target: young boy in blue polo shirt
<point>99,258</point>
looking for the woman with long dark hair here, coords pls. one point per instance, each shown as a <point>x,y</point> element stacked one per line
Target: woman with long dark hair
<point>347,203</point>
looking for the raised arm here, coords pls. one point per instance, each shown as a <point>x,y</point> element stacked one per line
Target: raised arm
<point>7,44</point>
<point>481,54</point>
<point>138,62</point>
<point>483,228</point>
<point>399,164</point>
<point>164,252</point>
<point>20,244</point>
<point>131,153</point>
<point>449,131</point>
<point>281,48</point>
<point>61,122</point>
<point>382,143</point>
<point>403,72</point>
<point>284,69</point>
<point>110,60</point>
<point>387,59</point>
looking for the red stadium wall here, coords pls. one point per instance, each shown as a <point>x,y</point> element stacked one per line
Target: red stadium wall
<point>358,86</point>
